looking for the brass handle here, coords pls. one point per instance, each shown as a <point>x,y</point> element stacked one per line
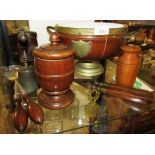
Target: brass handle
<point>50,29</point>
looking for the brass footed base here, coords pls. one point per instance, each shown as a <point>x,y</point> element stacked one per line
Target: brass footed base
<point>89,69</point>
<point>56,101</point>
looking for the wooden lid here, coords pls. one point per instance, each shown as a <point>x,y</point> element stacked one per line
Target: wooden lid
<point>131,48</point>
<point>54,50</point>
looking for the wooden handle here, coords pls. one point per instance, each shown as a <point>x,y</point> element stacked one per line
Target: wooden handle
<point>35,112</point>
<point>20,117</point>
<point>129,96</point>
<point>136,92</point>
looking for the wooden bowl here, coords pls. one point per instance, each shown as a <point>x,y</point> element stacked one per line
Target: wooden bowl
<point>92,40</point>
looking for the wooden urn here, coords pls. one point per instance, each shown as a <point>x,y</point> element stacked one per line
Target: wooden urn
<point>54,68</point>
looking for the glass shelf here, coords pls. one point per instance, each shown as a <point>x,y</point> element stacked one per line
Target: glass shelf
<point>112,115</point>
<point>109,115</point>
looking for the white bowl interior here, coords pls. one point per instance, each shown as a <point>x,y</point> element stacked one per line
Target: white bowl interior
<point>89,24</point>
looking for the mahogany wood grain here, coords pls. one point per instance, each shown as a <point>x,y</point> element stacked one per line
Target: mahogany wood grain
<point>129,94</point>
<point>20,116</point>
<point>54,68</point>
<point>128,65</point>
<point>35,112</point>
<point>102,46</point>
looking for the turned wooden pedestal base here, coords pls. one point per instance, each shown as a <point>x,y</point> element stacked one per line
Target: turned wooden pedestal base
<point>56,101</point>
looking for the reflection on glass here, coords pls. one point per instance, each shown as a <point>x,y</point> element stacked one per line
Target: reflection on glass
<point>53,121</point>
<point>9,75</point>
<point>70,115</point>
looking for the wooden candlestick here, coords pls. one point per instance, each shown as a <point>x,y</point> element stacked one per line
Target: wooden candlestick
<point>54,68</point>
<point>26,41</point>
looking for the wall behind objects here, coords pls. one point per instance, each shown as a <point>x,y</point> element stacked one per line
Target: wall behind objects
<point>39,26</point>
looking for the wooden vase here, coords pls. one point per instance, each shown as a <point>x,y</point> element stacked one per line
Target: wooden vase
<point>54,68</point>
<point>128,65</point>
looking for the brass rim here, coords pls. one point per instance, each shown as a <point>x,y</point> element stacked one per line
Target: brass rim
<point>90,31</point>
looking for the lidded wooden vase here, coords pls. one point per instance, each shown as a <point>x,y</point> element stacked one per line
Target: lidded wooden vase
<point>128,65</point>
<point>54,68</point>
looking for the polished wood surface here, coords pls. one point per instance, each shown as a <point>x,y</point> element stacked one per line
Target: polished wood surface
<point>101,46</point>
<point>19,116</point>
<point>54,76</point>
<point>135,91</point>
<point>128,65</point>
<point>34,110</point>
<point>56,102</point>
<point>129,94</point>
<point>54,68</point>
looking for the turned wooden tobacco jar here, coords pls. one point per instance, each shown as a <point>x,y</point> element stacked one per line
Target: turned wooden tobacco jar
<point>128,65</point>
<point>54,68</point>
